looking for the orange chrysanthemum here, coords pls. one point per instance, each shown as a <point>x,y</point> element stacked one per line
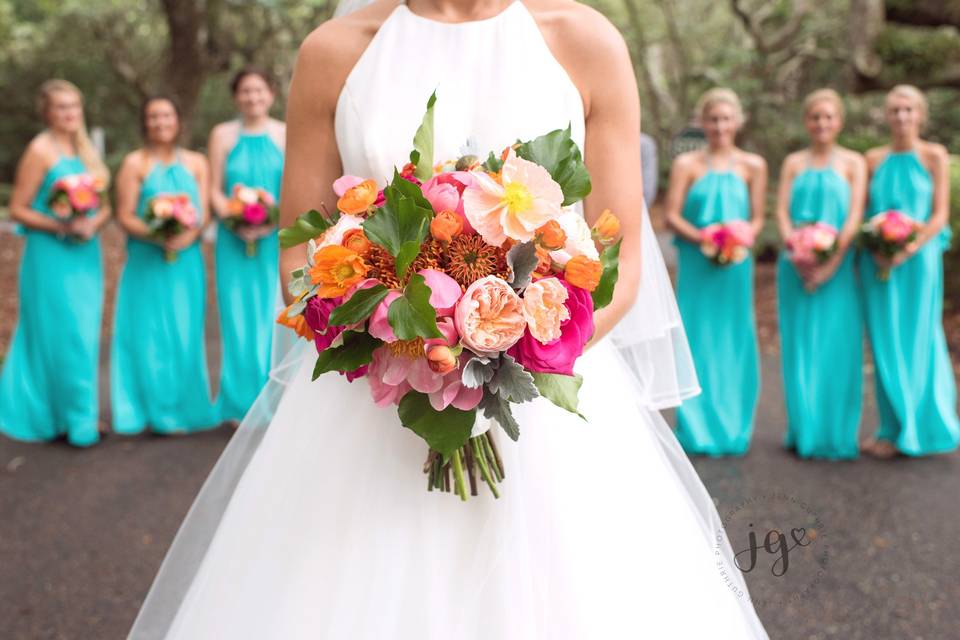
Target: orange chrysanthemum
<point>358,199</point>
<point>469,258</point>
<point>336,269</point>
<point>583,272</point>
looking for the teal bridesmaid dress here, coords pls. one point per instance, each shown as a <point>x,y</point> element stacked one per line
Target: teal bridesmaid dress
<point>716,304</point>
<point>159,373</point>
<point>49,385</point>
<point>247,286</point>
<point>915,386</point>
<point>821,333</point>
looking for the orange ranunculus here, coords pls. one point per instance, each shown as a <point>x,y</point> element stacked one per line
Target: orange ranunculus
<point>551,236</point>
<point>583,272</point>
<point>298,323</point>
<point>446,226</point>
<point>234,207</point>
<point>336,269</point>
<point>356,240</point>
<point>545,262</point>
<point>607,228</point>
<point>358,199</point>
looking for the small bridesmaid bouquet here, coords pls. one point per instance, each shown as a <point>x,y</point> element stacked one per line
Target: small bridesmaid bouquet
<point>170,214</point>
<point>251,208</point>
<point>887,234</point>
<point>76,196</point>
<point>812,244</point>
<point>727,243</point>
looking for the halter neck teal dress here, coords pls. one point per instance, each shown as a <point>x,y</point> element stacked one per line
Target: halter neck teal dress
<point>821,333</point>
<point>49,385</point>
<point>247,286</point>
<point>716,304</point>
<point>159,373</point>
<point>915,385</point>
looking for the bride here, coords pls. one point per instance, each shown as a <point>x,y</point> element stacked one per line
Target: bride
<point>321,527</point>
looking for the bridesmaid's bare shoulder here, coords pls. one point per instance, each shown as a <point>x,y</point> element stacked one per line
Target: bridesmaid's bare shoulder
<point>754,162</point>
<point>876,155</point>
<point>932,153</point>
<point>41,149</point>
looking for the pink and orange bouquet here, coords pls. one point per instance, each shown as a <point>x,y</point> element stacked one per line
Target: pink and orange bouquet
<point>887,234</point>
<point>812,244</point>
<point>457,294</point>
<point>251,208</point>
<point>169,214</point>
<point>727,243</point>
<point>76,196</point>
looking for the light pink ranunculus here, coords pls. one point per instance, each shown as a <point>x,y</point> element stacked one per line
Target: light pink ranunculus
<point>527,199</point>
<point>544,308</point>
<point>489,316</point>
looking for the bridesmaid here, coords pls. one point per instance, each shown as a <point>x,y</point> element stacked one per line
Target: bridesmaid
<point>718,184</point>
<point>247,151</point>
<point>49,385</point>
<point>821,324</point>
<point>159,365</point>
<point>915,385</point>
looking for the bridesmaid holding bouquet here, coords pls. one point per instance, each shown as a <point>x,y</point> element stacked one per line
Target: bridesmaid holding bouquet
<point>246,157</point>
<point>716,193</point>
<point>819,211</point>
<point>915,386</point>
<point>49,385</point>
<point>159,365</point>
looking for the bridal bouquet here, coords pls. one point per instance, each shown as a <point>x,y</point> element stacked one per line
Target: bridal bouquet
<point>812,244</point>
<point>727,243</point>
<point>251,208</point>
<point>170,214</point>
<point>457,292</point>
<point>76,196</point>
<point>887,234</point>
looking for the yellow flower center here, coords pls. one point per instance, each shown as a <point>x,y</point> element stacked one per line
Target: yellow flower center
<point>517,198</point>
<point>344,272</point>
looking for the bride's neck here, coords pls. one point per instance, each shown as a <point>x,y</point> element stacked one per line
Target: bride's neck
<point>457,10</point>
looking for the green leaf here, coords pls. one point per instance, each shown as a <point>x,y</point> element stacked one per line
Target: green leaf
<point>497,408</point>
<point>559,154</point>
<point>357,350</point>
<point>307,227</point>
<point>411,315</point>
<point>444,431</point>
<point>478,371</point>
<point>493,163</point>
<point>402,221</point>
<point>610,259</point>
<point>422,156</point>
<point>560,390</point>
<point>522,259</point>
<point>359,307</point>
<point>512,382</point>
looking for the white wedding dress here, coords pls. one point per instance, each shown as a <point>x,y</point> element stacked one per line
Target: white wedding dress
<point>320,525</point>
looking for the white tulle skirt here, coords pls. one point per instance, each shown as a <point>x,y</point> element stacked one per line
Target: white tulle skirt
<point>321,527</point>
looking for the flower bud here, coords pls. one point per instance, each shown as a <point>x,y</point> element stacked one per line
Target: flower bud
<point>583,272</point>
<point>445,226</point>
<point>441,359</point>
<point>607,228</point>
<point>551,236</point>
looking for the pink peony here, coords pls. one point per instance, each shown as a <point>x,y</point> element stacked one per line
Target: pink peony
<point>255,214</point>
<point>445,193</point>
<point>444,291</point>
<point>896,227</point>
<point>317,315</point>
<point>453,392</point>
<point>526,199</point>
<point>544,308</point>
<point>559,355</point>
<point>489,316</point>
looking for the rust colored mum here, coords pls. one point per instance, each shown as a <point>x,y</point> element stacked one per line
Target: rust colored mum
<point>383,267</point>
<point>583,272</point>
<point>336,269</point>
<point>469,258</point>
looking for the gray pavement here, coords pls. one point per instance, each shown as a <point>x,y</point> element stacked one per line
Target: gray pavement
<point>83,532</point>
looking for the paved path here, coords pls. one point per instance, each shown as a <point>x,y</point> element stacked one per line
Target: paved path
<point>83,532</point>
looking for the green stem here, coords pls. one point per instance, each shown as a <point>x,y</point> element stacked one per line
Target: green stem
<point>481,458</point>
<point>461,488</point>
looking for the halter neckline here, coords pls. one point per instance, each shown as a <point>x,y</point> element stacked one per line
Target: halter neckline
<point>403,4</point>
<point>710,166</point>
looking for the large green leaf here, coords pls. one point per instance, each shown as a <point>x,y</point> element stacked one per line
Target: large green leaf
<point>422,155</point>
<point>359,307</point>
<point>445,431</point>
<point>559,154</point>
<point>357,350</point>
<point>307,227</point>
<point>610,259</point>
<point>560,390</point>
<point>402,223</point>
<point>411,315</point>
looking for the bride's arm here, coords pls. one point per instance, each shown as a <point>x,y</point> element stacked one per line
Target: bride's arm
<point>600,65</point>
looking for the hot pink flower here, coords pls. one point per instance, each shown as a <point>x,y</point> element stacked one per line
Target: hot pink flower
<point>255,214</point>
<point>560,355</point>
<point>317,315</point>
<point>489,316</point>
<point>896,227</point>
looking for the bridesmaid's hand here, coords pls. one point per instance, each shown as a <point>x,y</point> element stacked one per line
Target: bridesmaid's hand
<point>83,228</point>
<point>181,241</point>
<point>821,274</point>
<point>252,234</point>
<point>905,254</point>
